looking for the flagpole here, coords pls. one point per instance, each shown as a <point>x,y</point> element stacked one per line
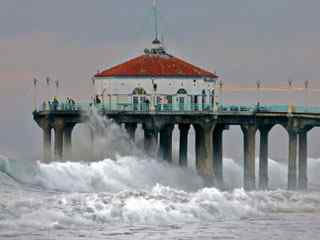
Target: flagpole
<point>35,81</point>
<point>155,9</point>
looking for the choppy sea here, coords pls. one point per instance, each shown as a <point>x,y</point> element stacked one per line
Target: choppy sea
<point>133,198</point>
<point>137,197</point>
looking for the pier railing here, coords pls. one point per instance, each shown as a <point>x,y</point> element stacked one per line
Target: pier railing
<point>145,107</point>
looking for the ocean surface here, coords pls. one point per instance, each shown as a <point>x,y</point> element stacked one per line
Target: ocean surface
<point>130,196</point>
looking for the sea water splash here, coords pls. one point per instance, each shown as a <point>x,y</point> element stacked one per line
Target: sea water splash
<point>132,173</point>
<point>131,191</point>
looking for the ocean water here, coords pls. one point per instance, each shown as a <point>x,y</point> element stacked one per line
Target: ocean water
<point>130,196</point>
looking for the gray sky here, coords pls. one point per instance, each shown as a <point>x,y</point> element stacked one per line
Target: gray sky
<point>243,41</point>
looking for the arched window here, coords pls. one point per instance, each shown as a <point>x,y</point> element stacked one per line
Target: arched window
<point>139,91</point>
<point>182,91</point>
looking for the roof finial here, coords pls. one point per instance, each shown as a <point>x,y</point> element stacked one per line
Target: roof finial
<point>155,11</point>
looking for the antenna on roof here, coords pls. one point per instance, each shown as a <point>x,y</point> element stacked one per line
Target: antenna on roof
<point>155,11</point>
<point>163,42</point>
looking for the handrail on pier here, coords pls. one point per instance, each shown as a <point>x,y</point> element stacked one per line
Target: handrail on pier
<point>146,107</point>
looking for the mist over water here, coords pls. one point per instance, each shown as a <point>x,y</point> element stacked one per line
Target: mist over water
<point>130,188</point>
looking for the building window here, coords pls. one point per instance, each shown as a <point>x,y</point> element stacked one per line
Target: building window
<point>182,91</point>
<point>139,91</point>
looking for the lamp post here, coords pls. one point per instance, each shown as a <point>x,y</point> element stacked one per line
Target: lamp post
<point>35,83</point>
<point>93,81</point>
<point>221,93</point>
<point>290,91</point>
<point>306,96</point>
<point>258,83</point>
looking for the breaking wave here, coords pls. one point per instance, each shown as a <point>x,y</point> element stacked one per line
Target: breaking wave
<point>133,173</point>
<point>133,191</point>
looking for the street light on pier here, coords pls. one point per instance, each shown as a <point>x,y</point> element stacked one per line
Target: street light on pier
<point>306,96</point>
<point>258,83</point>
<point>290,91</point>
<point>93,81</point>
<point>221,93</point>
<point>35,85</point>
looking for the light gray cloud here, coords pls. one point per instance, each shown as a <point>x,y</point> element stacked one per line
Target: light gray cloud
<point>69,40</point>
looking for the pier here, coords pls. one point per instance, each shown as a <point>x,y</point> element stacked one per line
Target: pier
<point>160,91</point>
<point>209,124</point>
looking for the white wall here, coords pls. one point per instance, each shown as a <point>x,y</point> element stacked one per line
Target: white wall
<point>168,86</point>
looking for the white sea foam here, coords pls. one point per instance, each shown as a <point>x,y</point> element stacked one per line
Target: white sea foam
<point>159,205</point>
<point>136,189</point>
<point>132,173</point>
<point>131,190</point>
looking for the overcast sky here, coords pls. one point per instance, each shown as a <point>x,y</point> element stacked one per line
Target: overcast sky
<point>69,40</point>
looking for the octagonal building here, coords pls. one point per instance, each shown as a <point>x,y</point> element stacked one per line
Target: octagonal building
<point>154,81</point>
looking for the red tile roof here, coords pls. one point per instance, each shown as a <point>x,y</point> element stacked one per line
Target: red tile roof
<point>155,65</point>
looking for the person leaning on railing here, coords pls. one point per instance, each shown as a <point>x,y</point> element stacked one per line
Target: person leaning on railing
<point>55,104</point>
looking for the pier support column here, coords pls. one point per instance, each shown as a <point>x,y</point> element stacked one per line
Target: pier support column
<point>67,141</point>
<point>303,162</point>
<point>218,153</point>
<point>47,155</point>
<point>58,139</point>
<point>264,157</point>
<point>131,130</point>
<point>165,151</point>
<point>92,142</point>
<point>150,140</point>
<point>292,161</point>
<point>249,141</point>
<point>204,152</point>
<point>183,150</point>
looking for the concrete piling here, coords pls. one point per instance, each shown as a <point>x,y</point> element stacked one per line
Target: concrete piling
<point>165,151</point>
<point>131,130</point>
<point>150,140</point>
<point>67,141</point>
<point>264,157</point>
<point>218,154</point>
<point>249,141</point>
<point>303,161</point>
<point>47,156</point>
<point>183,150</point>
<point>292,160</point>
<point>204,151</point>
<point>58,142</point>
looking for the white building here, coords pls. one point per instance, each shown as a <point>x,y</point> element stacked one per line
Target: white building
<point>158,79</point>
